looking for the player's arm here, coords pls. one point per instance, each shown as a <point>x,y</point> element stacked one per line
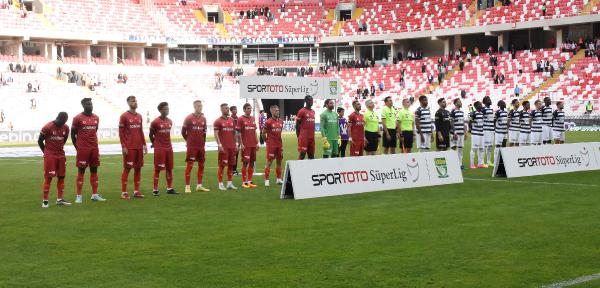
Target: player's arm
<point>471,119</point>
<point>123,135</point>
<point>66,136</point>
<point>452,124</point>
<point>418,122</point>
<point>350,125</point>
<point>41,140</point>
<point>152,134</point>
<point>323,122</point>
<point>509,119</point>
<point>263,131</point>
<point>439,117</point>
<point>184,130</point>
<point>298,123</point>
<point>217,139</point>
<point>74,136</point>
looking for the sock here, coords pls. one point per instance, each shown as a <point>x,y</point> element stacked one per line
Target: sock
<point>244,172</point>
<point>496,153</point>
<point>46,188</point>
<point>480,156</point>
<point>267,172</point>
<point>137,174</point>
<point>94,183</point>
<point>220,173</point>
<point>460,155</point>
<point>169,179</point>
<point>79,183</point>
<point>124,177</point>
<point>229,183</point>
<point>230,172</point>
<point>155,179</point>
<point>60,186</point>
<point>188,172</point>
<point>488,154</point>
<point>472,158</point>
<point>278,172</point>
<point>200,172</point>
<point>249,173</point>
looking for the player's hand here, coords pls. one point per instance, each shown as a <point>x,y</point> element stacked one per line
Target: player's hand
<point>454,137</point>
<point>388,137</point>
<point>440,137</point>
<point>366,142</point>
<point>241,147</point>
<point>422,138</point>
<point>145,149</point>
<point>124,150</point>
<point>257,147</point>
<point>220,148</point>
<point>350,140</point>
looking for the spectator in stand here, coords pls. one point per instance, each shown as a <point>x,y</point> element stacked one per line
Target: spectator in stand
<point>366,92</point>
<point>461,64</point>
<point>372,90</point>
<point>125,78</point>
<point>430,78</point>
<point>33,104</point>
<point>423,68</point>
<point>544,9</point>
<point>381,86</point>
<point>517,90</point>
<point>2,116</point>
<point>589,107</point>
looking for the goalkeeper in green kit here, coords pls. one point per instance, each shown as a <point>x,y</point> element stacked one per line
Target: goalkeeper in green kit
<point>330,130</point>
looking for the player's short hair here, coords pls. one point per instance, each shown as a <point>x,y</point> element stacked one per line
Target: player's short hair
<point>340,109</point>
<point>246,105</point>
<point>514,101</point>
<point>547,98</point>
<point>387,98</point>
<point>62,115</point>
<point>477,103</point>
<point>487,99</point>
<point>525,103</point>
<point>272,106</point>
<point>162,105</point>
<point>422,97</point>
<point>306,97</point>
<point>232,108</point>
<point>368,102</point>
<point>501,101</point>
<point>440,100</point>
<point>262,111</point>
<point>130,97</point>
<point>455,100</point>
<point>224,104</point>
<point>559,102</point>
<point>354,102</point>
<point>86,100</point>
<point>197,101</point>
<point>537,101</point>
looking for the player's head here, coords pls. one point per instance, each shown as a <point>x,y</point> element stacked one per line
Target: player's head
<point>261,112</point>
<point>61,119</point>
<point>308,101</point>
<point>233,110</point>
<point>537,104</point>
<point>163,108</point>
<point>487,101</point>
<point>370,105</point>
<point>340,111</point>
<point>477,105</point>
<point>406,103</point>
<point>329,104</point>
<point>388,101</point>
<point>423,101</point>
<point>502,104</point>
<point>442,103</point>
<point>525,105</point>
<point>274,111</point>
<point>560,105</point>
<point>198,107</point>
<point>356,105</point>
<point>515,103</point>
<point>86,103</point>
<point>247,109</point>
<point>132,102</point>
<point>224,110</point>
<point>547,101</point>
<point>457,103</point>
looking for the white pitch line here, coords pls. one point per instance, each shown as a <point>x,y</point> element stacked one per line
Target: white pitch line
<point>575,281</point>
<point>533,182</point>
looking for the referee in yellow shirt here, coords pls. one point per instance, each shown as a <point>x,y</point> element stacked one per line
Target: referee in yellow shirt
<point>407,121</point>
<point>390,126</point>
<point>371,129</point>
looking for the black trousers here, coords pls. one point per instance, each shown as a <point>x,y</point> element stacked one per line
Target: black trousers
<point>343,148</point>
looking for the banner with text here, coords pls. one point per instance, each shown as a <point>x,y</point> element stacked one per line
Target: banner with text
<point>272,87</point>
<point>547,159</point>
<point>351,175</point>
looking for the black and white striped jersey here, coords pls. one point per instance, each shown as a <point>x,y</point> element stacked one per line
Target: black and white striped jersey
<point>424,116</point>
<point>524,120</point>
<point>458,118</point>
<point>558,121</point>
<point>501,121</point>
<point>536,121</point>
<point>477,123</point>
<point>488,118</point>
<point>547,115</point>
<point>515,117</point>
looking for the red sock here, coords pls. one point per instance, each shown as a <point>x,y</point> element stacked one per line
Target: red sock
<point>200,172</point>
<point>188,172</point>
<point>137,174</point>
<point>155,179</point>
<point>278,172</point>
<point>220,173</point>
<point>267,172</point>
<point>230,172</point>
<point>94,183</point>
<point>60,186</point>
<point>244,171</point>
<point>169,179</point>
<point>124,177</point>
<point>79,183</point>
<point>249,173</point>
<point>46,188</point>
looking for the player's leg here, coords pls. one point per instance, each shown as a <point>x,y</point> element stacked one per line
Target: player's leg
<point>189,165</point>
<point>250,171</point>
<point>279,160</point>
<point>268,162</point>
<point>343,148</point>
<point>94,184</point>
<point>460,142</point>
<point>169,171</point>
<point>79,184</point>
<point>49,172</point>
<point>159,164</point>
<point>46,191</point>
<point>222,164</point>
<point>128,161</point>
<point>137,173</point>
<point>201,159</point>
<point>335,149</point>
<point>61,170</point>
<point>311,149</point>
<point>230,168</point>
<point>393,142</point>
<point>245,166</point>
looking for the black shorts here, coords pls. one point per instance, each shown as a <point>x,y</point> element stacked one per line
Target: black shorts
<point>393,142</point>
<point>407,139</point>
<point>445,143</point>
<point>372,141</point>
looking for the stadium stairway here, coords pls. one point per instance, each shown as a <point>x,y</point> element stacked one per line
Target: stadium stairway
<point>474,13</point>
<point>589,7</point>
<point>337,28</point>
<point>200,16</point>
<point>357,13</point>
<point>330,15</point>
<point>222,30</point>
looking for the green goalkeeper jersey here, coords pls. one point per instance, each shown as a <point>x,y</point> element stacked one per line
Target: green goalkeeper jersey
<point>330,127</point>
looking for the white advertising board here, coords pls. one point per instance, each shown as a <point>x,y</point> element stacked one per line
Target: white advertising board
<point>272,87</point>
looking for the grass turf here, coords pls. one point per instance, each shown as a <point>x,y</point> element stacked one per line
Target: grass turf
<point>476,234</point>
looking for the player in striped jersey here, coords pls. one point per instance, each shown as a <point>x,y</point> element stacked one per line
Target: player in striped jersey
<point>514,124</point>
<point>424,125</point>
<point>488,129</point>
<point>547,115</point>
<point>558,123</point>
<point>476,123</point>
<point>458,129</point>
<point>524,124</point>
<point>501,124</point>
<point>536,124</point>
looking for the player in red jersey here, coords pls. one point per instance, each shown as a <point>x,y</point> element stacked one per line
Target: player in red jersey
<point>160,137</point>
<point>85,139</point>
<point>246,134</point>
<point>194,133</point>
<point>356,126</point>
<point>224,135</point>
<point>234,117</point>
<point>305,129</point>
<point>52,141</point>
<point>272,135</point>
<point>133,144</point>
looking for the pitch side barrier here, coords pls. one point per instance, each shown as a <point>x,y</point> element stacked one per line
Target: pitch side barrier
<point>340,176</point>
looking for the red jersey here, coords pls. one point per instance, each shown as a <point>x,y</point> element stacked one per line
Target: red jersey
<point>54,143</point>
<point>162,133</point>
<point>247,128</point>
<point>273,128</point>
<point>195,130</point>
<point>131,132</point>
<point>357,121</point>
<point>86,128</point>
<point>224,128</point>
<point>307,122</point>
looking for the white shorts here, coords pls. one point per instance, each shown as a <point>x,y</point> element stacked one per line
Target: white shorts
<point>523,138</point>
<point>546,133</point>
<point>488,138</point>
<point>424,144</point>
<point>536,138</point>
<point>513,137</point>
<point>476,142</point>
<point>499,139</point>
<point>459,142</point>
<point>558,135</point>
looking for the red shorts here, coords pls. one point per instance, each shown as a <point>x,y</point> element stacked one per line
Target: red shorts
<point>274,153</point>
<point>163,159</point>
<point>306,145</point>
<point>357,148</point>
<point>249,154</point>
<point>134,159</point>
<point>195,154</point>
<point>55,166</point>
<point>88,157</point>
<point>227,157</point>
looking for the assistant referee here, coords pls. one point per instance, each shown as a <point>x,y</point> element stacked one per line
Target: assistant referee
<point>371,129</point>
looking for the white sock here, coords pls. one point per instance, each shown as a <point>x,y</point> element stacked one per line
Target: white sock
<point>472,159</point>
<point>198,185</point>
<point>496,151</point>
<point>480,156</point>
<point>488,153</point>
<point>229,183</point>
<point>460,155</point>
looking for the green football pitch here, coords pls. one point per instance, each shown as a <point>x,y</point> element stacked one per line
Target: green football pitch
<point>525,232</point>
